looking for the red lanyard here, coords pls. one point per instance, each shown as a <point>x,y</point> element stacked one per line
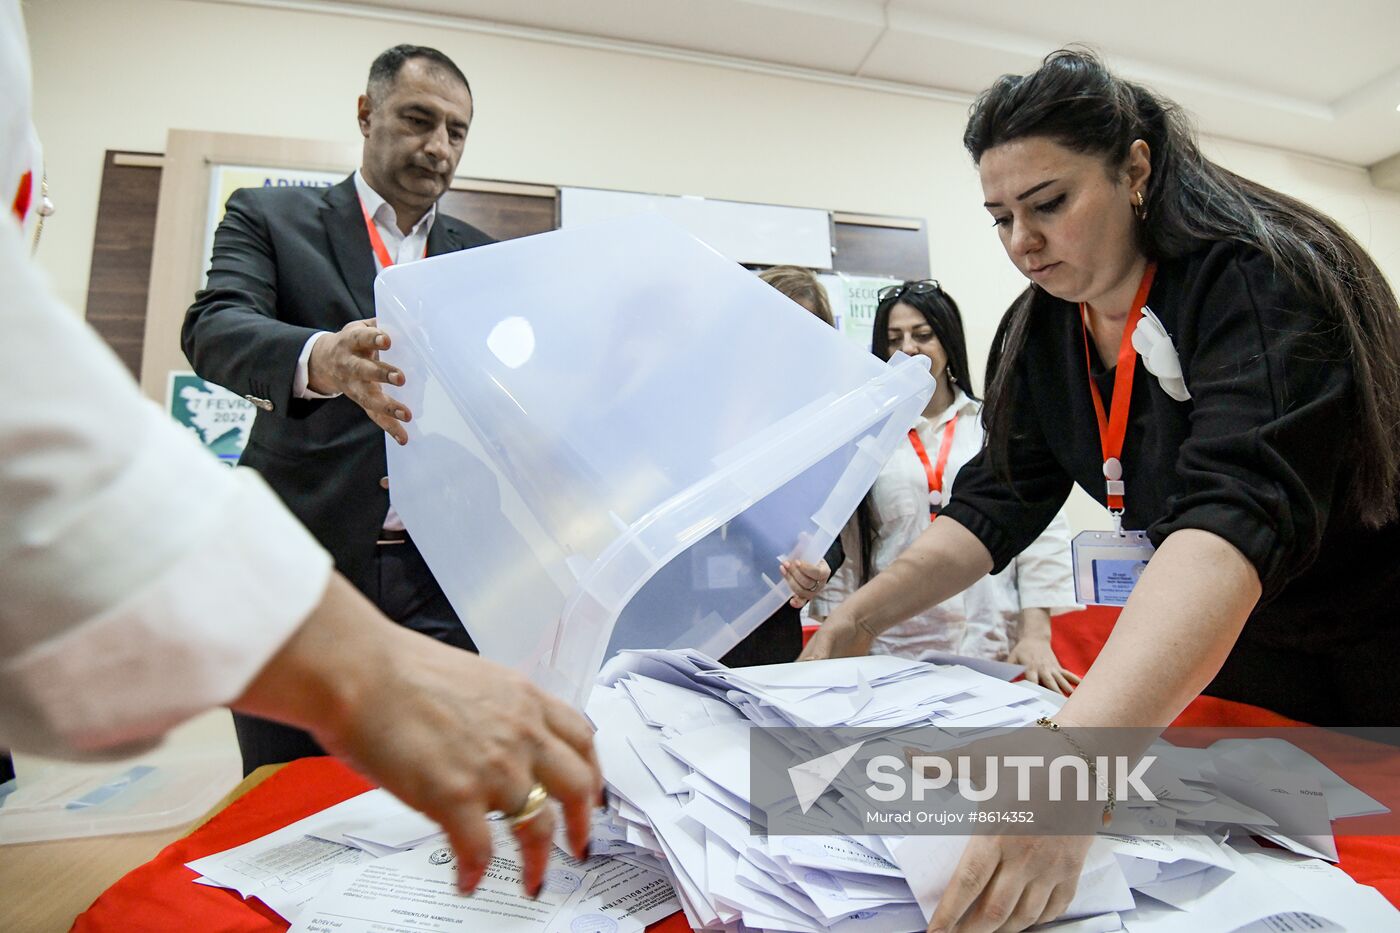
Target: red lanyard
<point>381,252</point>
<point>935,473</point>
<point>1112,430</point>
<point>23,195</point>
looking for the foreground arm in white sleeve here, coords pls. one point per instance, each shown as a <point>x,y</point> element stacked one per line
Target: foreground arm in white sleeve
<point>141,582</point>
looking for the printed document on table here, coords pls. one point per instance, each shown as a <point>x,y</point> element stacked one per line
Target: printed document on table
<point>620,897</point>
<point>291,859</point>
<point>417,890</point>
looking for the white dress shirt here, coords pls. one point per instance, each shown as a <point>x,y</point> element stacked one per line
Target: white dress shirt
<point>402,247</point>
<point>141,581</point>
<point>984,620</point>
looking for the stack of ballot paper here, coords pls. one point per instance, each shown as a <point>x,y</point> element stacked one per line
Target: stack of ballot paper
<point>674,743</point>
<point>372,863</point>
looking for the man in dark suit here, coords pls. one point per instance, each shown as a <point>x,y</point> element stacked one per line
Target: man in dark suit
<point>286,320</point>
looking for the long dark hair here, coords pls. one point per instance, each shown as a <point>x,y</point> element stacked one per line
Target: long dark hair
<point>1075,101</point>
<point>941,312</point>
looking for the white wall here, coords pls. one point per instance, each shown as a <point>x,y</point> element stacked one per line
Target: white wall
<point>118,75</point>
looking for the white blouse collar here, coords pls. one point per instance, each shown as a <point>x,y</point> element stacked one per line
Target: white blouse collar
<point>961,405</point>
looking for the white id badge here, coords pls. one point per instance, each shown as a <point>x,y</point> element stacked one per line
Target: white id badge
<point>1107,565</point>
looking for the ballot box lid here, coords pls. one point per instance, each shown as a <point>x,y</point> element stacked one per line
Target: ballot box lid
<point>64,800</point>
<point>617,435</point>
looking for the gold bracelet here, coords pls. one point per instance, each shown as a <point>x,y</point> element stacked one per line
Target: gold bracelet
<point>1047,723</point>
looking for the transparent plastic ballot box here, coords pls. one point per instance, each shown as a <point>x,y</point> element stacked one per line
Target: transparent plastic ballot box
<point>617,435</point>
<point>63,800</point>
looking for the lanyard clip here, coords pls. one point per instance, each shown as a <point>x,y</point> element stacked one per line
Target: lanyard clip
<point>1117,515</point>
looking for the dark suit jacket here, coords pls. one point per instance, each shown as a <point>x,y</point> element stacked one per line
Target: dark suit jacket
<point>289,262</point>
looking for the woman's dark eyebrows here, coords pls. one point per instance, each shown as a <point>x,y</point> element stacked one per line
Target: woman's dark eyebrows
<point>1024,194</point>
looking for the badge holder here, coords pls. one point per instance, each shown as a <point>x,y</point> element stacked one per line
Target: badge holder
<point>1107,565</point>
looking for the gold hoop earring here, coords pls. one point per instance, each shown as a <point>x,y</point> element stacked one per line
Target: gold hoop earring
<point>1141,209</point>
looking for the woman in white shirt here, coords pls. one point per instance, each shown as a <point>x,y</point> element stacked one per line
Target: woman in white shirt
<point>142,582</point>
<point>1005,616</point>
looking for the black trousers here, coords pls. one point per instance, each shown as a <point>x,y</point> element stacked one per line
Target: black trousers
<point>777,640</point>
<point>408,595</point>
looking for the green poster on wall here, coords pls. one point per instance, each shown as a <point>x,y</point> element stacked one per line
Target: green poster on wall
<point>220,419</point>
<point>853,302</point>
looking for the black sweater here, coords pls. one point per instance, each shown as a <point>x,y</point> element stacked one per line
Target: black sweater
<point>1261,454</point>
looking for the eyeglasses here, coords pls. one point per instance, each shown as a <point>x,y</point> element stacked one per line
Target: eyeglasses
<point>921,287</point>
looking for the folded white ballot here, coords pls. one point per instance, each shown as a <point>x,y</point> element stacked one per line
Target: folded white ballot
<point>1343,800</point>
<point>1001,670</point>
<point>821,675</point>
<point>665,704</point>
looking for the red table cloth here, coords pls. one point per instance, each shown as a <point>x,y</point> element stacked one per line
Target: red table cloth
<point>161,895</point>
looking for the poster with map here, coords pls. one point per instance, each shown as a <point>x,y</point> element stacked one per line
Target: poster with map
<point>219,419</point>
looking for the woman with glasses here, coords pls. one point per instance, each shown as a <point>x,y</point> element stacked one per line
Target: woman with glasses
<point>1217,363</point>
<point>1003,616</point>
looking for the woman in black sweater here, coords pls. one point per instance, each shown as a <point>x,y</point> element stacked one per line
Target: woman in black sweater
<point>1259,453</point>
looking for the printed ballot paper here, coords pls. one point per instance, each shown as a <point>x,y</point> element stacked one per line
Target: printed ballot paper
<point>371,863</point>
<point>286,868</point>
<point>417,890</point>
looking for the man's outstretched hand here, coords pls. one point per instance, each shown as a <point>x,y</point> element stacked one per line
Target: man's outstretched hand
<point>347,363</point>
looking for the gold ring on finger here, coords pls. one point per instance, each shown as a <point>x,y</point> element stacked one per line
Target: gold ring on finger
<point>531,808</point>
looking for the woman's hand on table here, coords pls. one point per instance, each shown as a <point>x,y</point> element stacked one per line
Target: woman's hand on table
<point>806,580</point>
<point>457,736</point>
<point>447,732</point>
<point>840,636</point>
<point>1033,652</point>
